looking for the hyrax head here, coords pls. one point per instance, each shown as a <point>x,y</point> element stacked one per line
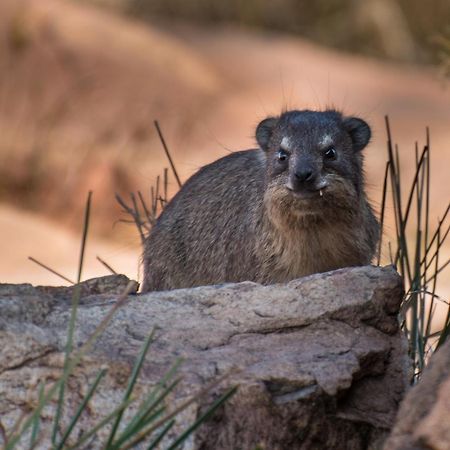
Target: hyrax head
<point>314,155</point>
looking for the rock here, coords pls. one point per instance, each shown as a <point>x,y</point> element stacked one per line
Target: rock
<point>109,284</point>
<point>319,361</point>
<point>423,421</point>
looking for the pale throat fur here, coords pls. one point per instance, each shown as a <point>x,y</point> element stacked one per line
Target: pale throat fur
<point>302,237</point>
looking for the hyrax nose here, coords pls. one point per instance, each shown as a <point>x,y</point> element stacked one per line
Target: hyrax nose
<point>305,174</point>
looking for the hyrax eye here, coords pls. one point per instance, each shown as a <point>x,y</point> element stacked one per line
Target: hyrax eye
<point>282,155</point>
<point>330,153</point>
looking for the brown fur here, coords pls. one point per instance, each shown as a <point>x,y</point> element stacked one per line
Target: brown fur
<point>236,219</point>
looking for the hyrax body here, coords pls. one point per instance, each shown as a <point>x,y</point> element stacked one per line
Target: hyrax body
<point>293,207</point>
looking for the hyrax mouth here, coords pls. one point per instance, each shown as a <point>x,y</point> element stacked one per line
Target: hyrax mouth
<point>309,193</point>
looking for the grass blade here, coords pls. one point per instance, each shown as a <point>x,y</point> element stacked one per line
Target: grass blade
<point>143,434</point>
<point>383,208</point>
<point>147,417</point>
<point>102,261</point>
<point>89,434</point>
<point>54,272</point>
<point>149,403</point>
<point>81,408</point>
<point>19,429</point>
<point>220,401</point>
<point>149,216</point>
<point>417,259</point>
<point>166,150</point>
<point>132,381</point>
<point>37,419</point>
<point>87,214</point>
<point>73,315</point>
<point>161,435</point>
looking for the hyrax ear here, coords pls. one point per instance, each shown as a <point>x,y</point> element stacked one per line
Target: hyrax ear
<point>264,131</point>
<point>359,132</point>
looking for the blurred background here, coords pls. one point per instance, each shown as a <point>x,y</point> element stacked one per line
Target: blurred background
<point>81,83</point>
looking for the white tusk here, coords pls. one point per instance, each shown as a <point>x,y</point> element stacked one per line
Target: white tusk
<point>321,193</point>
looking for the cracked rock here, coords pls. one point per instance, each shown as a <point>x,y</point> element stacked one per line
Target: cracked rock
<point>320,361</point>
<point>423,421</point>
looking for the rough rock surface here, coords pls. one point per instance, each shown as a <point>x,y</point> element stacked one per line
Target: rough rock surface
<point>423,421</point>
<point>320,362</point>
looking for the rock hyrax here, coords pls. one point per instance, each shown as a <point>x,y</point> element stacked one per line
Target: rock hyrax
<point>293,207</point>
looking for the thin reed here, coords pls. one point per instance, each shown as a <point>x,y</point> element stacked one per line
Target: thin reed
<point>152,417</point>
<point>144,213</point>
<point>417,252</point>
<point>416,249</point>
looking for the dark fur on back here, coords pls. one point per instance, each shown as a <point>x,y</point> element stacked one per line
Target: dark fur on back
<point>293,207</point>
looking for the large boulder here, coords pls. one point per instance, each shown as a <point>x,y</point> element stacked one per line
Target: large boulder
<point>320,361</point>
<point>423,421</point>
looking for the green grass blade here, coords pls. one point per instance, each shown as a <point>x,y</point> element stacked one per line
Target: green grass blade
<point>417,259</point>
<point>146,432</point>
<point>419,172</point>
<point>81,408</point>
<point>66,371</point>
<point>149,402</point>
<point>383,209</point>
<point>445,330</point>
<point>433,257</point>
<point>89,434</point>
<point>145,418</point>
<point>444,217</point>
<point>433,292</point>
<point>37,418</point>
<point>87,346</point>
<point>131,383</point>
<point>14,438</point>
<point>74,361</point>
<point>75,301</point>
<point>161,435</point>
<point>220,401</point>
<point>118,444</point>
<point>427,195</point>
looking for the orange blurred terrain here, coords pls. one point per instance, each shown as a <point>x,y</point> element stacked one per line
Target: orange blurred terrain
<point>80,88</point>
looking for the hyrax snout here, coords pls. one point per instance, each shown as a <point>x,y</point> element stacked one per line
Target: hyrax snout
<point>294,206</point>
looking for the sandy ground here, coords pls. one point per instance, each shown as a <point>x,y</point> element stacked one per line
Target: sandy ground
<point>26,234</point>
<point>208,88</point>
